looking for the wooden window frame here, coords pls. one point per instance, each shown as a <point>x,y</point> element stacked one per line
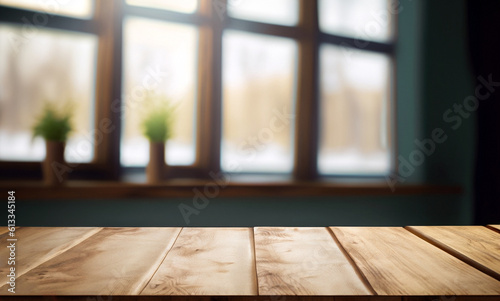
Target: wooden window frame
<point>211,20</point>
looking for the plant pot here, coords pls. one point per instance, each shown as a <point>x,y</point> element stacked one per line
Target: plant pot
<point>54,168</point>
<point>156,166</point>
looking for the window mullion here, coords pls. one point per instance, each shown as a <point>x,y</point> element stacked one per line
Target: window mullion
<point>40,19</point>
<point>306,110</point>
<point>108,86</point>
<point>210,87</point>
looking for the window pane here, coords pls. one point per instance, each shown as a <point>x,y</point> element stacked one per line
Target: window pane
<point>284,12</point>
<point>361,19</point>
<point>182,6</point>
<point>160,57</point>
<point>355,93</point>
<point>258,79</point>
<point>74,8</point>
<point>54,66</point>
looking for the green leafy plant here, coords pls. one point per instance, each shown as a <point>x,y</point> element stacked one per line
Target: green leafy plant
<point>158,118</point>
<point>53,124</point>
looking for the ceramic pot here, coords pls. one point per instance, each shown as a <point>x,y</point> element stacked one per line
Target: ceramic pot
<point>53,167</point>
<point>155,168</point>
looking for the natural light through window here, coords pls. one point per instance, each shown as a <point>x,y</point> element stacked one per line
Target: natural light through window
<point>298,88</point>
<point>53,66</point>
<point>72,8</point>
<point>360,19</point>
<point>182,6</point>
<point>159,57</point>
<point>355,119</point>
<point>258,102</point>
<point>284,12</point>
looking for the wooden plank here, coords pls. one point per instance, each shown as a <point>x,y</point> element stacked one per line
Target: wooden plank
<point>230,298</point>
<point>365,298</point>
<point>254,298</point>
<point>495,227</point>
<point>396,262</point>
<point>207,261</point>
<point>115,261</point>
<point>475,245</point>
<point>34,246</point>
<point>450,298</point>
<point>4,230</point>
<point>303,261</point>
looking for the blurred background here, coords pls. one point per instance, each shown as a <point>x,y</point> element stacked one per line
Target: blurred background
<point>385,74</point>
<point>259,77</point>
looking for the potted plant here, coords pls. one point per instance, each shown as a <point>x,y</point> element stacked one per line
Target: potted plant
<point>54,126</point>
<point>157,127</point>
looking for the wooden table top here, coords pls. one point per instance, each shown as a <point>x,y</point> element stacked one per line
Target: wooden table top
<point>379,263</point>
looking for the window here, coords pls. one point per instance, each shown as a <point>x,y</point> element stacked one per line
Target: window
<point>78,9</point>
<point>293,87</point>
<point>282,12</point>
<point>354,111</point>
<point>185,6</point>
<point>355,87</point>
<point>38,65</point>
<point>258,83</point>
<point>369,20</point>
<point>167,51</point>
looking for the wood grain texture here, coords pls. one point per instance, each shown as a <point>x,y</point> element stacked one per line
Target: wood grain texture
<point>367,298</point>
<point>303,261</point>
<point>396,262</point>
<point>115,261</point>
<point>34,246</point>
<point>495,227</point>
<point>207,261</point>
<point>450,298</point>
<point>476,245</point>
<point>254,298</point>
<point>4,230</point>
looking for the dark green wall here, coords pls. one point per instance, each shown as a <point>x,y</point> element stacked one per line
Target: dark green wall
<point>432,75</point>
<point>447,81</point>
<point>314,211</point>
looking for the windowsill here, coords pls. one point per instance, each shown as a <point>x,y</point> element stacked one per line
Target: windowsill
<point>235,188</point>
